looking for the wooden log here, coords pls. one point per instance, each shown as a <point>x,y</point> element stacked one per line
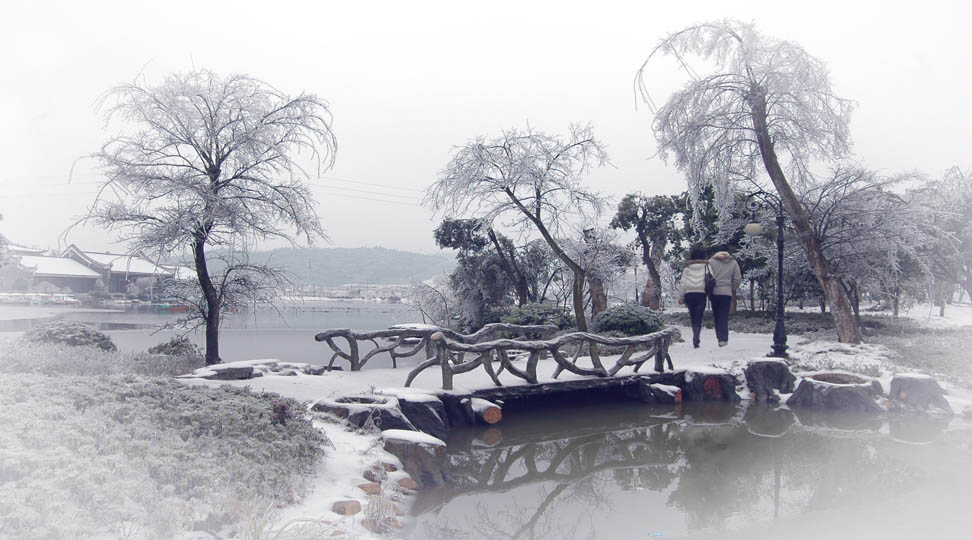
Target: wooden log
<point>481,411</point>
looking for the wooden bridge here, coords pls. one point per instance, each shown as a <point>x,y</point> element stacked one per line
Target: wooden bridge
<point>448,350</point>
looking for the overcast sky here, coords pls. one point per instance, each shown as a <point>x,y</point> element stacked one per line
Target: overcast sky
<point>408,81</point>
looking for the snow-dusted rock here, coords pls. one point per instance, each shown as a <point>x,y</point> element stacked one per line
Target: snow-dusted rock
<point>837,390</point>
<point>423,456</point>
<point>702,383</point>
<point>919,392</point>
<point>382,411</point>
<point>425,411</point>
<point>766,377</point>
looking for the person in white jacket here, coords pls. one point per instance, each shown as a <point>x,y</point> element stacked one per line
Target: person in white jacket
<point>728,277</point>
<point>691,290</point>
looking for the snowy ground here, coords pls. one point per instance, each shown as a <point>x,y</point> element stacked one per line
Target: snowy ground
<point>355,452</point>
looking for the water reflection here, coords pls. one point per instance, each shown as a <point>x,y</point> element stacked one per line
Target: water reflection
<point>672,472</point>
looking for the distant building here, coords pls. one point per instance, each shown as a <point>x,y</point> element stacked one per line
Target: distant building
<point>34,269</point>
<point>116,270</point>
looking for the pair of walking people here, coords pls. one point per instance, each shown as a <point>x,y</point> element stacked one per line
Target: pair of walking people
<point>725,274</point>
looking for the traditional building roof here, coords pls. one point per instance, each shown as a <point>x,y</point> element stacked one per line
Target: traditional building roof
<point>56,267</point>
<point>20,249</point>
<point>117,263</point>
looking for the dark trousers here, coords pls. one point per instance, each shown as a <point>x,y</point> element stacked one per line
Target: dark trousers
<point>695,301</point>
<point>720,312</point>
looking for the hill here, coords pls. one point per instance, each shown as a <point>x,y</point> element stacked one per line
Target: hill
<point>331,267</point>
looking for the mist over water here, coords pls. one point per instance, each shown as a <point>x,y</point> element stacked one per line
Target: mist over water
<point>619,471</point>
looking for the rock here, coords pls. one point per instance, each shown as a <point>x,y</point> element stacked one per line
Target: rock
<point>371,488</point>
<point>423,457</point>
<point>426,412</point>
<point>381,526</point>
<point>395,509</point>
<point>408,483</point>
<point>287,373</point>
<point>382,411</point>
<point>230,373</point>
<point>389,467</point>
<point>837,390</point>
<point>374,475</point>
<point>918,391</point>
<point>315,370</point>
<point>702,384</point>
<point>765,376</point>
<point>349,507</point>
<point>663,393</point>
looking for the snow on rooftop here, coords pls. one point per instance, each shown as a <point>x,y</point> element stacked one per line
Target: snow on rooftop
<point>127,263</point>
<point>57,266</point>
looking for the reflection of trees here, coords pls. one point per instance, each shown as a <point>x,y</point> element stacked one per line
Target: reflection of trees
<point>720,475</point>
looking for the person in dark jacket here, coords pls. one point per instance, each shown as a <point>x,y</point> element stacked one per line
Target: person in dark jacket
<point>728,277</point>
<point>691,290</point>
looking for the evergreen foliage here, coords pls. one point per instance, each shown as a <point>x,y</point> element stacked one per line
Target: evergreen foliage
<point>539,313</point>
<point>71,333</point>
<point>629,320</point>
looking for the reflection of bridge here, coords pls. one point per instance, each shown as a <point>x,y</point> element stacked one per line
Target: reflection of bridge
<point>523,453</point>
<point>715,460</point>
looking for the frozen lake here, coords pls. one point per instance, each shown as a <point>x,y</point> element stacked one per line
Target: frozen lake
<point>249,334</point>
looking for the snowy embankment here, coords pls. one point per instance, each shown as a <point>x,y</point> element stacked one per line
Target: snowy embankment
<point>356,452</point>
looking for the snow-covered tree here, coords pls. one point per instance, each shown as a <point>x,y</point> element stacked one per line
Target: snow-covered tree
<point>947,203</point>
<point>653,220</point>
<point>765,107</point>
<point>870,233</point>
<point>204,161</point>
<point>530,177</point>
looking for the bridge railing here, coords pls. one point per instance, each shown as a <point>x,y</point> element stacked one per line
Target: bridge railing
<point>494,356</point>
<point>406,341</point>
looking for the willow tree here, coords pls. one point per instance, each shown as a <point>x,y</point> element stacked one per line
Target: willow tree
<point>529,177</point>
<point>764,107</point>
<point>203,162</point>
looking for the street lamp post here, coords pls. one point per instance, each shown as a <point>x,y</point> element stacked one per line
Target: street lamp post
<point>754,228</point>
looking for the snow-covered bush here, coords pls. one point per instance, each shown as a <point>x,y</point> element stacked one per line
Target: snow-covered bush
<point>70,333</point>
<point>60,359</point>
<point>629,320</point>
<point>135,457</point>
<point>177,346</point>
<point>539,313</point>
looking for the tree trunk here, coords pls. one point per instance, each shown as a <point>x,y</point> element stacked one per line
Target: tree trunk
<point>599,301</point>
<point>578,287</point>
<point>652,296</point>
<point>847,329</point>
<point>578,298</point>
<point>897,300</point>
<point>212,299</point>
<point>752,295</point>
<point>509,267</point>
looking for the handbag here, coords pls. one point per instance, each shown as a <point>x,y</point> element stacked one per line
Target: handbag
<point>710,281</point>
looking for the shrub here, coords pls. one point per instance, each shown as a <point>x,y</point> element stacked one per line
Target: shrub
<point>59,359</point>
<point>629,320</point>
<point>177,346</point>
<point>71,333</point>
<point>92,457</point>
<point>539,313</point>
